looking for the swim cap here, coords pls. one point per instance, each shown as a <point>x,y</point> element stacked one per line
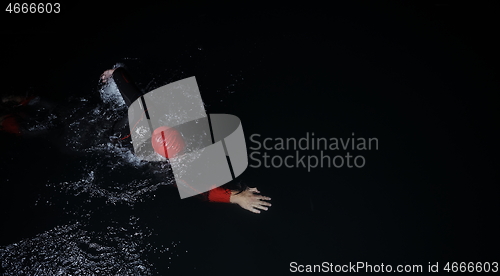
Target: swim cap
<point>167,141</point>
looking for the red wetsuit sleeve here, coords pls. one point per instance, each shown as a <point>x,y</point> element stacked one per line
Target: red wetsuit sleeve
<point>10,125</point>
<point>219,194</point>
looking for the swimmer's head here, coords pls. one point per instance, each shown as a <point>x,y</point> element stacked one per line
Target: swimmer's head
<point>167,142</point>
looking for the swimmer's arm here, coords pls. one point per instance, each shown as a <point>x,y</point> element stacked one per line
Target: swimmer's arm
<point>248,199</point>
<point>106,75</point>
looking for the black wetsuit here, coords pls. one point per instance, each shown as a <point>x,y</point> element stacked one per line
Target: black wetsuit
<point>129,92</point>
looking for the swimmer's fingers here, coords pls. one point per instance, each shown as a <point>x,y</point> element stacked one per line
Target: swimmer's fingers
<point>254,210</point>
<point>106,75</point>
<point>264,203</point>
<point>103,78</point>
<point>260,206</point>
<point>254,190</point>
<point>263,198</point>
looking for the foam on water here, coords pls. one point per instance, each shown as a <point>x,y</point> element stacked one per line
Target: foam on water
<point>111,95</point>
<point>89,133</point>
<point>72,250</point>
<point>105,171</point>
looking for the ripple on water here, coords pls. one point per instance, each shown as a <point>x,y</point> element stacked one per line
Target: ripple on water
<point>108,172</point>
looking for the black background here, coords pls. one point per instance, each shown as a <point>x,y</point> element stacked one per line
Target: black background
<point>422,78</point>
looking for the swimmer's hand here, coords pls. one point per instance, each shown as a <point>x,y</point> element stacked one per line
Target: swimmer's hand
<point>250,200</point>
<point>106,75</point>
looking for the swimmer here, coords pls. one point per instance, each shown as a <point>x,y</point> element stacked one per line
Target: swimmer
<point>246,197</point>
<point>18,114</point>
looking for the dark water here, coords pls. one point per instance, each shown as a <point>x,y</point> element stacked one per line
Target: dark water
<point>94,176</point>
